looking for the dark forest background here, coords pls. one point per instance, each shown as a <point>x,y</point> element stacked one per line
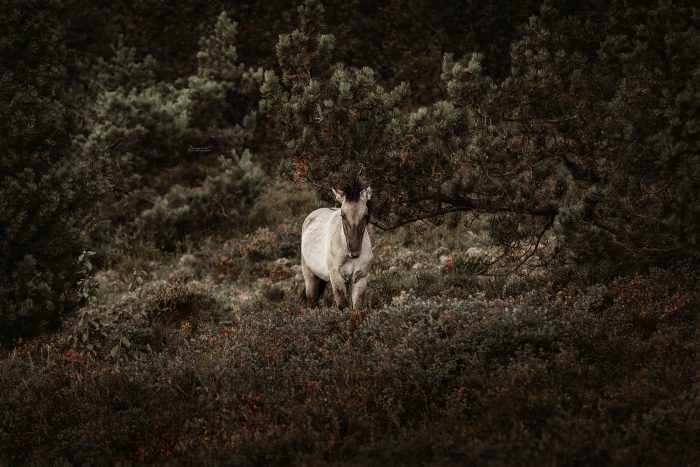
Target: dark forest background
<point>535,169</point>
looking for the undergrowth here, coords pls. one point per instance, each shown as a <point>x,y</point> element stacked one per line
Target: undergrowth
<point>207,357</point>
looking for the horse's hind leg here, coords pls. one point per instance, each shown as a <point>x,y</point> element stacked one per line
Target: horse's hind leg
<point>312,285</point>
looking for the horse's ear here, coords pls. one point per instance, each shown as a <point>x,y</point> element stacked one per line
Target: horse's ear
<point>366,194</point>
<point>339,195</point>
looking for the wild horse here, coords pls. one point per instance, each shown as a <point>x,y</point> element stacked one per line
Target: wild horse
<point>335,248</point>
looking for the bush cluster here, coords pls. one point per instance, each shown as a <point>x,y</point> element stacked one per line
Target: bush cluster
<point>599,373</point>
<point>253,254</point>
<point>573,139</point>
<point>222,203</point>
<point>162,138</point>
<point>140,323</point>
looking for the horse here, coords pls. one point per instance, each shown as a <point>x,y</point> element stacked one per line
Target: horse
<point>336,248</point>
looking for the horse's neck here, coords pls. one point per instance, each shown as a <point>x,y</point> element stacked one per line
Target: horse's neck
<point>336,234</point>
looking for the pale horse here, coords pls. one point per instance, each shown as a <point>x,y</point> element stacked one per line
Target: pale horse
<point>335,248</point>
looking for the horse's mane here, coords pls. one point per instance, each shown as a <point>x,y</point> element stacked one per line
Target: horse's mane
<point>352,190</point>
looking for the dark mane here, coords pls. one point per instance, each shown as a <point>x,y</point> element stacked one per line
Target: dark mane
<point>352,190</point>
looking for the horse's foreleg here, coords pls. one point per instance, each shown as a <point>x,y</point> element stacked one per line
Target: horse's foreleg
<point>311,284</point>
<point>339,286</point>
<point>358,290</point>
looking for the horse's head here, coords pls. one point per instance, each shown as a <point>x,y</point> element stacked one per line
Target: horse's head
<point>355,216</point>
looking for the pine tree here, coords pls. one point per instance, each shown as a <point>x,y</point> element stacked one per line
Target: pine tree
<point>401,41</point>
<point>160,135</point>
<point>582,140</point>
<point>47,196</point>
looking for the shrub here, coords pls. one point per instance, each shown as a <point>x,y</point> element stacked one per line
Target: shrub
<point>141,322</point>
<point>173,301</point>
<point>530,379</point>
<point>163,137</point>
<point>388,36</point>
<point>48,197</point>
<point>222,203</point>
<point>266,244</point>
<point>284,202</point>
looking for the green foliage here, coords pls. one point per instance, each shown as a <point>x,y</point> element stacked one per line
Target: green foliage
<point>330,117</point>
<point>123,70</point>
<point>162,138</point>
<point>618,193</point>
<point>223,201</point>
<point>251,257</point>
<point>284,202</point>
<point>558,145</point>
<point>266,244</point>
<point>402,42</point>
<point>680,156</point>
<point>47,196</point>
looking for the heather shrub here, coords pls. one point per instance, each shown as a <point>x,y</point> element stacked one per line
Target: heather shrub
<point>172,301</point>
<point>141,322</point>
<point>268,244</point>
<point>283,202</point>
<point>386,288</point>
<point>531,378</point>
<point>263,253</point>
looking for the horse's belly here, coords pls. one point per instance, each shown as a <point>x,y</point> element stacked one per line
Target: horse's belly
<point>318,267</point>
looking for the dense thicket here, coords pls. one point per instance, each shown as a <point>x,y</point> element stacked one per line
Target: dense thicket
<point>47,196</point>
<point>592,134</point>
<point>402,41</point>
